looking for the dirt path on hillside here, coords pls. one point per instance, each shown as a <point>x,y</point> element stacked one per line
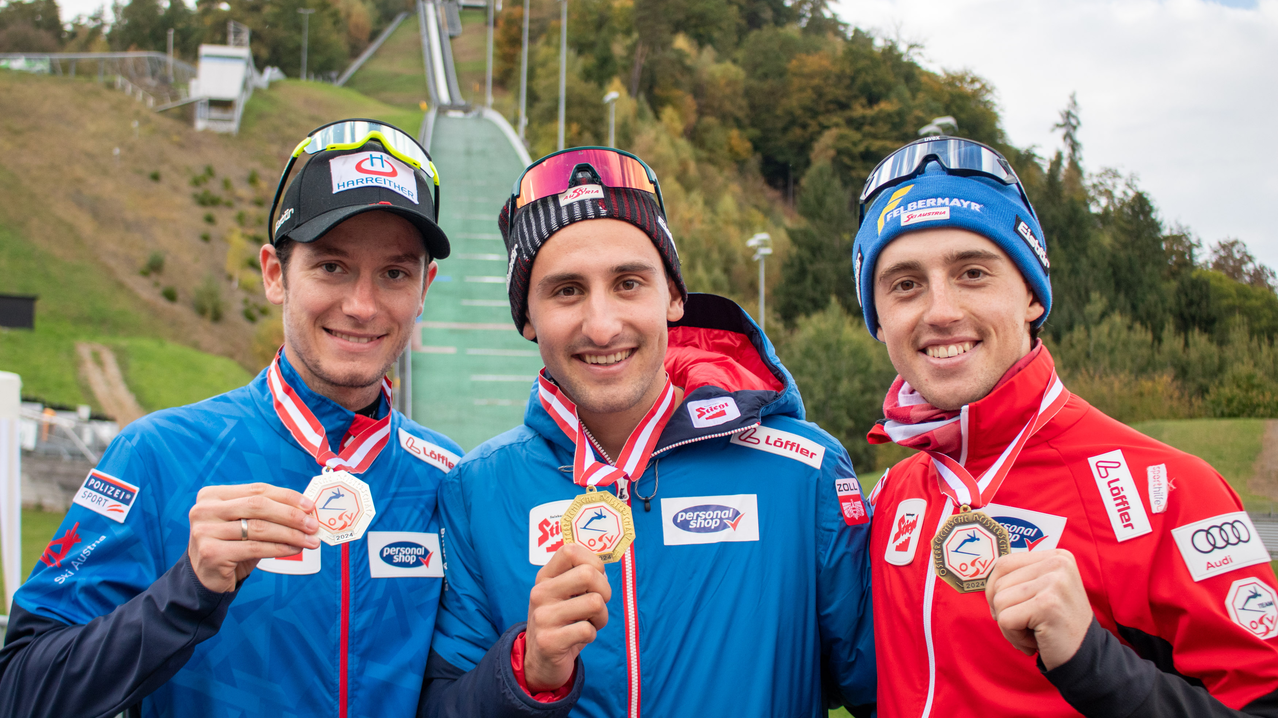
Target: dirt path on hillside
<point>107,383</point>
<point>1264,480</point>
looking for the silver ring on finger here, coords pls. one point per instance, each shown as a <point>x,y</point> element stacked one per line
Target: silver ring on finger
<point>244,529</point>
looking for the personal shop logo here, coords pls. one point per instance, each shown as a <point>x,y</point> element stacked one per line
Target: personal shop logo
<point>710,519</point>
<point>404,554</point>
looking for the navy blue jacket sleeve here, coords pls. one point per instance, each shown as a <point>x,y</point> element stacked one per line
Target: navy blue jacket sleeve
<point>489,689</point>
<point>1106,678</point>
<point>51,669</point>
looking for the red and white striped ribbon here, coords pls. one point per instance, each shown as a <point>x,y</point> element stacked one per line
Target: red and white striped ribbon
<point>958,483</point>
<point>587,469</point>
<point>358,453</point>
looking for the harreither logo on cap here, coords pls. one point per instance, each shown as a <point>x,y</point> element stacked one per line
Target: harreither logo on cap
<point>373,169</point>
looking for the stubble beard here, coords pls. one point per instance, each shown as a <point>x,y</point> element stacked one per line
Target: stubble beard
<point>350,380</point>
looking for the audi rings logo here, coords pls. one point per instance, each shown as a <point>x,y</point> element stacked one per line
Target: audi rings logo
<point>1224,535</point>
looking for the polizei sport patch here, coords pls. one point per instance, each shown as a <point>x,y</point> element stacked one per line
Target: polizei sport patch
<point>108,495</point>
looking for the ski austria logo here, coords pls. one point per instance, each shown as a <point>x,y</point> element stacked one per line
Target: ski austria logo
<point>710,519</point>
<point>436,456</point>
<point>903,532</point>
<point>931,214</point>
<point>373,169</point>
<point>580,192</point>
<point>1251,604</point>
<point>59,548</point>
<point>713,412</point>
<point>404,554</point>
<point>1027,530</point>
<point>107,495</point>
<point>544,537</point>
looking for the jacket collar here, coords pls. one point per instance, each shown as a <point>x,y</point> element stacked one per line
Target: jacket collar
<point>991,423</point>
<point>335,418</point>
<point>729,372</point>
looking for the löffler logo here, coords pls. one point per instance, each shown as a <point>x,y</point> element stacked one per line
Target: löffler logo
<point>1118,492</point>
<point>781,443</point>
<point>436,456</point>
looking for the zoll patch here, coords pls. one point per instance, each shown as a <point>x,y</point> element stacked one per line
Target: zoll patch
<point>713,412</point>
<point>781,443</point>
<point>436,456</point>
<point>1118,493</point>
<point>1251,604</point>
<point>1219,545</point>
<point>404,554</point>
<point>105,494</point>
<point>710,519</point>
<point>580,192</point>
<point>544,537</point>
<point>851,503</point>
<point>904,531</point>
<point>373,169</point>
<point>303,563</point>
<point>343,506</point>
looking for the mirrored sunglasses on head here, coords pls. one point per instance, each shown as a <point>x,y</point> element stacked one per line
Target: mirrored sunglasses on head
<point>957,156</point>
<point>555,173</point>
<point>351,135</point>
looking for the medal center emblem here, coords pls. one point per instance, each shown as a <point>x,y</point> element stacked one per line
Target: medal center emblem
<point>970,552</point>
<point>337,507</point>
<point>343,506</point>
<point>598,527</point>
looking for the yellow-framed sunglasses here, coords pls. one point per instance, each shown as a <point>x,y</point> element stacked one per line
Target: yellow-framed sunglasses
<point>351,135</point>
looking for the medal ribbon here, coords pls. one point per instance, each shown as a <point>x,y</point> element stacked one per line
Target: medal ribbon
<point>958,483</point>
<point>358,454</point>
<point>587,469</point>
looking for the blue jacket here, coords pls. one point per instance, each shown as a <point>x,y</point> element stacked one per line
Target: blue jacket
<point>113,615</point>
<point>753,585</point>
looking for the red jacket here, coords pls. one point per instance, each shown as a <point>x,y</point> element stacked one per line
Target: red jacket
<point>1136,514</point>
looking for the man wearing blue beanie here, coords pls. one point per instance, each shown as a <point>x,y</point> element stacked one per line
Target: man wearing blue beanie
<point>1068,564</point>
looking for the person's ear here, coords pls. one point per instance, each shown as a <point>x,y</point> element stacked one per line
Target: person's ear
<point>674,311</point>
<point>528,332</point>
<point>878,334</point>
<point>272,275</point>
<point>431,270</point>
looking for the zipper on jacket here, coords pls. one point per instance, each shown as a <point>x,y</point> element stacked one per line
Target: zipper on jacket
<point>343,689</point>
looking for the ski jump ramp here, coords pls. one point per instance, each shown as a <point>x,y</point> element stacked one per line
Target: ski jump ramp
<point>471,371</point>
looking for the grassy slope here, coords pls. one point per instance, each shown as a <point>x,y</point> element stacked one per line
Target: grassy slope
<point>395,74</point>
<point>1229,445</point>
<point>75,234</point>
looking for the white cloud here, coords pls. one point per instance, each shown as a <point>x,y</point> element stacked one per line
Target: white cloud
<point>1181,92</point>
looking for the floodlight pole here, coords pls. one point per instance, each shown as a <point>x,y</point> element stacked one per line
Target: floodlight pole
<point>306,34</point>
<point>488,79</point>
<point>610,100</point>
<point>523,77</point>
<point>762,245</point>
<point>563,66</point>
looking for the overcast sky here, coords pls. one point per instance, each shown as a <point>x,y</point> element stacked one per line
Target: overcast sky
<point>1179,92</point>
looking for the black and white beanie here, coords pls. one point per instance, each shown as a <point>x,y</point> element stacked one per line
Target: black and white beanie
<point>525,231</point>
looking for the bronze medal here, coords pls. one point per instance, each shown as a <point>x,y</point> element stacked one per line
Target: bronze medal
<point>964,550</point>
<point>602,523</point>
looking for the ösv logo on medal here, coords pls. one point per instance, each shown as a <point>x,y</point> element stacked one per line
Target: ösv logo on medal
<point>1251,604</point>
<point>343,506</point>
<point>404,554</point>
<point>964,550</point>
<point>710,519</point>
<point>598,528</point>
<point>970,552</point>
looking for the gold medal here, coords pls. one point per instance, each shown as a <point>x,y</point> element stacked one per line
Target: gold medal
<point>602,523</point>
<point>964,550</point>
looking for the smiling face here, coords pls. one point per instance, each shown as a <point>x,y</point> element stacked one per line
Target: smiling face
<point>598,304</point>
<point>350,302</point>
<point>954,312</point>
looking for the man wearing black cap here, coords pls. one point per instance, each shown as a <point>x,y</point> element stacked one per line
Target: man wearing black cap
<point>664,535</point>
<point>264,552</point>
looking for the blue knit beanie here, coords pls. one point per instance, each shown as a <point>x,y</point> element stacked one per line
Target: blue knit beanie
<point>937,199</point>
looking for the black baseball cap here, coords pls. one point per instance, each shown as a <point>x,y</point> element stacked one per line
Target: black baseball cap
<point>336,185</point>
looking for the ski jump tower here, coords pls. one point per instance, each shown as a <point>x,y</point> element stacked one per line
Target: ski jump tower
<point>224,81</point>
